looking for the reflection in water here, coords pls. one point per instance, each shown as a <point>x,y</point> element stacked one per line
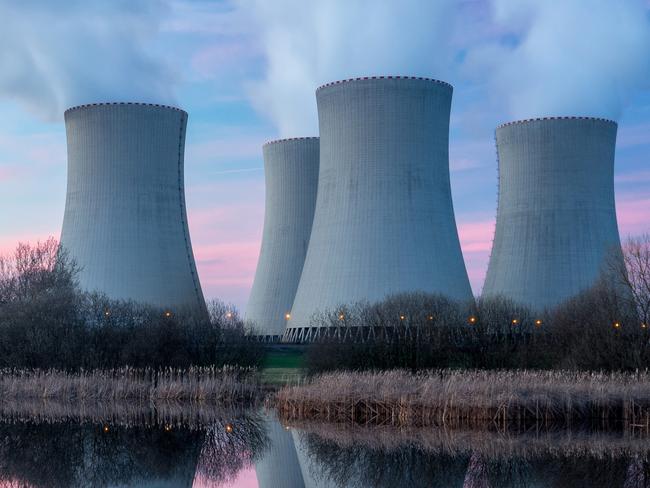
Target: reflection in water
<point>68,454</point>
<point>64,455</point>
<point>477,473</point>
<point>185,454</point>
<point>230,446</point>
<point>279,466</point>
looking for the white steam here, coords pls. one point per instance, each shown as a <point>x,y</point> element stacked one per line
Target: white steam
<point>566,57</point>
<point>526,58</point>
<point>310,43</point>
<point>54,55</point>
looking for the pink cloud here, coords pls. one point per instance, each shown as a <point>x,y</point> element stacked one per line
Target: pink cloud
<point>226,238</point>
<point>8,242</point>
<point>633,214</point>
<point>246,478</point>
<point>476,243</point>
<point>476,236</point>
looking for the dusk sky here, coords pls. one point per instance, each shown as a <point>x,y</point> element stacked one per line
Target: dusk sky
<point>246,72</point>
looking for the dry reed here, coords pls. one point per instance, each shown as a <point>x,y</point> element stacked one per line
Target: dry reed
<point>453,398</point>
<point>222,386</point>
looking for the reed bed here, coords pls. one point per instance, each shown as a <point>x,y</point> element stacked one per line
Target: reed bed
<point>453,398</point>
<point>220,386</point>
<point>192,416</point>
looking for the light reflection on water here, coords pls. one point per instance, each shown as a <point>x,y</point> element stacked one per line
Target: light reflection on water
<point>253,449</point>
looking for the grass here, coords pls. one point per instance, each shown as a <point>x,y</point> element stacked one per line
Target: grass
<point>283,359</point>
<point>282,366</point>
<point>452,398</point>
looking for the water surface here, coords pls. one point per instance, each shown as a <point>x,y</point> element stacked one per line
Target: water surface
<point>254,449</point>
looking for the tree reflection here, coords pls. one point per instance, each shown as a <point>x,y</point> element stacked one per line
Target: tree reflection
<point>63,455</point>
<point>230,446</point>
<point>352,465</point>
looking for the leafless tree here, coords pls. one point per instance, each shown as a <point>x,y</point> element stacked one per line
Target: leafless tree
<point>633,273</point>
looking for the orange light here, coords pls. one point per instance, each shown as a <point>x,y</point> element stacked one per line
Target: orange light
<point>229,428</point>
<point>430,317</point>
<point>168,313</point>
<point>229,315</point>
<point>617,325</point>
<point>644,325</point>
<point>106,429</point>
<point>107,313</point>
<point>168,427</point>
<point>286,427</point>
<point>402,317</point>
<point>287,316</point>
<point>472,320</point>
<point>515,321</point>
<point>538,322</point>
<point>341,316</point>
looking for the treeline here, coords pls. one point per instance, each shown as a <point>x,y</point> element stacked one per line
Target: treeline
<point>605,328</point>
<point>46,321</point>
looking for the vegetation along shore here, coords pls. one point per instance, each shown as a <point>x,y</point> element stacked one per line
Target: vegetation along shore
<point>453,398</point>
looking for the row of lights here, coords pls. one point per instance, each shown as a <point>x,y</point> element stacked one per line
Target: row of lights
<point>618,325</point>
<point>106,429</point>
<point>471,320</point>
<point>166,313</point>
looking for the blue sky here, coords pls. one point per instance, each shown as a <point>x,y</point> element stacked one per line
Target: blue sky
<point>246,72</point>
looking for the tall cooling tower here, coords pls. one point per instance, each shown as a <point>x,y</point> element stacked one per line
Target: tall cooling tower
<point>125,221</point>
<point>291,170</point>
<point>556,221</point>
<point>279,467</point>
<point>384,220</point>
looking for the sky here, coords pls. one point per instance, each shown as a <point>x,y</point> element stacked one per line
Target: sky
<point>246,72</point>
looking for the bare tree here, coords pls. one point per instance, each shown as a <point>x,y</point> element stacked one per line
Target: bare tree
<point>633,273</point>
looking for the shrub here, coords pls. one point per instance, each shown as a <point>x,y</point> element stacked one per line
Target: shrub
<point>47,322</point>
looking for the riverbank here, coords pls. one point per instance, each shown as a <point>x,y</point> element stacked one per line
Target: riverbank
<point>455,399</point>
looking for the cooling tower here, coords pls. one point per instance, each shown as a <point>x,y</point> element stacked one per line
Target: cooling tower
<point>556,221</point>
<point>384,220</point>
<point>291,171</point>
<point>125,221</point>
<point>279,466</point>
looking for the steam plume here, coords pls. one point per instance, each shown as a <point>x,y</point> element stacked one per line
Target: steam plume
<point>58,54</point>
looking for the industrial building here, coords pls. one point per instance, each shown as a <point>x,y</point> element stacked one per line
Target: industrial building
<point>125,221</point>
<point>384,220</point>
<point>291,174</point>
<point>556,219</point>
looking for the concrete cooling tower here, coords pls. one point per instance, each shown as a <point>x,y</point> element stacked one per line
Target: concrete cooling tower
<point>291,171</point>
<point>125,221</point>
<point>384,220</point>
<point>279,467</point>
<point>556,221</point>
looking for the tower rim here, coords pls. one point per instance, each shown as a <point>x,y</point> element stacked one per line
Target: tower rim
<point>384,77</point>
<point>140,104</point>
<point>290,139</point>
<point>557,117</point>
